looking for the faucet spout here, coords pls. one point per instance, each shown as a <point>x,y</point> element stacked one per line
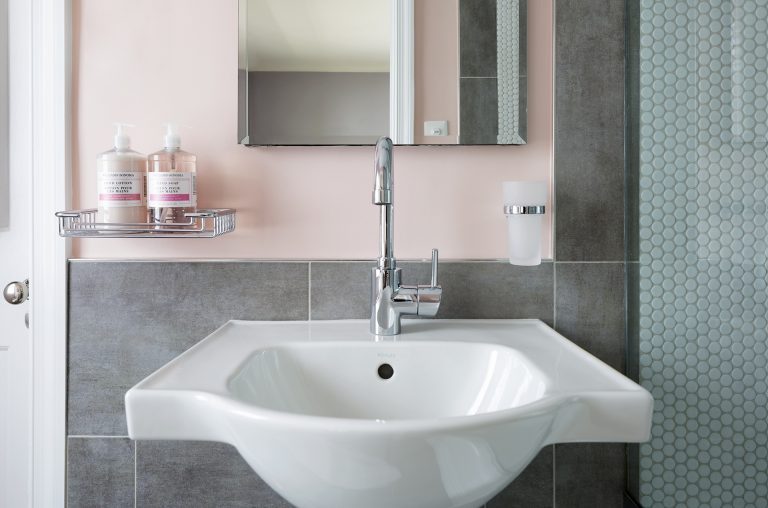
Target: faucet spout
<point>382,196</point>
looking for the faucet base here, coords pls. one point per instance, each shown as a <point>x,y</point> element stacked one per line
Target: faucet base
<point>390,301</point>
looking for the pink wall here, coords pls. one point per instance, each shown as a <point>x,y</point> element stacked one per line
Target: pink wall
<point>436,79</point>
<point>147,62</point>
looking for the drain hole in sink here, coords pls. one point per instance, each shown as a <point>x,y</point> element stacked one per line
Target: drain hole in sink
<point>386,371</point>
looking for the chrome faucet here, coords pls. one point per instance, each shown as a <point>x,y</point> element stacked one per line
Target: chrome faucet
<point>389,299</point>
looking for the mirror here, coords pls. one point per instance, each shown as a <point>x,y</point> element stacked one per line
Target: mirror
<point>345,72</point>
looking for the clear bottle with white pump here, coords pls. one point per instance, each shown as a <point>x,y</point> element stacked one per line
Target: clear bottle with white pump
<point>121,182</point>
<point>171,185</point>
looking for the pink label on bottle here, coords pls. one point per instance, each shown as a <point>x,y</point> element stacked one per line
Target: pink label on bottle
<point>120,189</point>
<point>119,197</point>
<point>169,197</point>
<point>171,189</point>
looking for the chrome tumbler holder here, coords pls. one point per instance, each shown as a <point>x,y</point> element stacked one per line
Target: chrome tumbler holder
<point>523,210</point>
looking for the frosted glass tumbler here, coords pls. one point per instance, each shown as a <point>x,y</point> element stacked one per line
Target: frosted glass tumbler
<point>524,208</point>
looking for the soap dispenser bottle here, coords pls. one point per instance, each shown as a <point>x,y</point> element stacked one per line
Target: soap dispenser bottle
<point>171,186</point>
<point>121,182</point>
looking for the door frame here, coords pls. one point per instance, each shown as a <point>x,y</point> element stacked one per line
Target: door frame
<point>50,32</point>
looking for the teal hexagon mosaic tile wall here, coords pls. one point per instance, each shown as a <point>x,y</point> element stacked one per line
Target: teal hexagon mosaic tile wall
<point>702,261</point>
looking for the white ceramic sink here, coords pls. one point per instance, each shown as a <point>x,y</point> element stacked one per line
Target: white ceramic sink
<point>466,406</point>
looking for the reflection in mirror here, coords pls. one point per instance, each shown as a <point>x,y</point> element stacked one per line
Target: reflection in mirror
<point>344,72</point>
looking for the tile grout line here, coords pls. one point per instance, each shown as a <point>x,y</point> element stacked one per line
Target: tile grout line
<point>309,291</point>
<point>79,261</point>
<point>67,468</point>
<point>98,437</point>
<point>553,175</point>
<point>554,477</point>
<point>592,262</point>
<point>135,474</point>
<point>554,296</point>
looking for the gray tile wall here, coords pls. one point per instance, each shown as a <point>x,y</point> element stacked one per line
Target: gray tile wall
<point>590,243</point>
<point>198,474</point>
<point>127,319</point>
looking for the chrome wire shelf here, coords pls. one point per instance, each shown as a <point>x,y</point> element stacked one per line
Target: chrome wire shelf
<point>202,224</point>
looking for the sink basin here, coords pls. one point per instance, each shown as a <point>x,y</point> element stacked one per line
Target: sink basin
<point>445,415</point>
<point>433,380</point>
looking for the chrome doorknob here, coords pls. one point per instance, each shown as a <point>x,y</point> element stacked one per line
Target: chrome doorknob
<point>16,292</point>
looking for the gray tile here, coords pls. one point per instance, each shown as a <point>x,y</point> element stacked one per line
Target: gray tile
<point>126,319</point>
<point>489,290</point>
<point>341,290</point>
<point>200,474</point>
<point>633,471</point>
<point>470,289</point>
<point>589,308</point>
<point>478,111</point>
<point>477,38</point>
<point>100,473</point>
<point>590,475</point>
<point>590,207</point>
<point>632,148</point>
<point>532,489</point>
<point>589,130</point>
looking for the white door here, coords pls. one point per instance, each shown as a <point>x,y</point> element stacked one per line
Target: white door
<point>15,253</point>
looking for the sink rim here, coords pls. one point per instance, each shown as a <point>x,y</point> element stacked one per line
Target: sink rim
<point>225,401</point>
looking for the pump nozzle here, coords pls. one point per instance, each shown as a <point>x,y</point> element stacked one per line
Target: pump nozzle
<point>172,137</point>
<point>122,140</point>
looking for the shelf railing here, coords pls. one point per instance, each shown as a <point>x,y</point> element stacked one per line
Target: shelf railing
<point>207,223</point>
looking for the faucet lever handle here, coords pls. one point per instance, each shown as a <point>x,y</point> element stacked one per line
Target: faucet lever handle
<point>429,297</point>
<point>433,282</point>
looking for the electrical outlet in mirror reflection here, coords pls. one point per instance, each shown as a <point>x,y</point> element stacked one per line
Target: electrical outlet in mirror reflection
<point>436,128</point>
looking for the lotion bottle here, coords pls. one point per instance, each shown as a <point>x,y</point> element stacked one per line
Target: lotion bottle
<point>171,186</point>
<point>121,182</point>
